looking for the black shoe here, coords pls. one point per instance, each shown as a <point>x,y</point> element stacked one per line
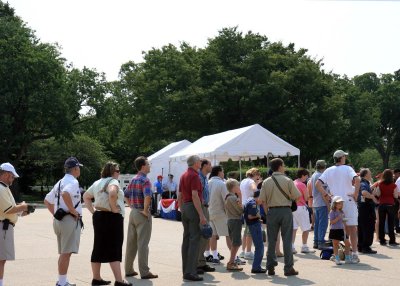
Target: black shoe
<point>291,272</point>
<point>315,246</point>
<point>206,268</point>
<point>123,283</point>
<point>200,271</point>
<point>209,258</point>
<point>149,276</point>
<point>220,257</point>
<point>394,243</point>
<point>257,271</point>
<point>96,282</point>
<point>134,273</point>
<point>192,277</point>
<point>369,251</point>
<point>271,271</point>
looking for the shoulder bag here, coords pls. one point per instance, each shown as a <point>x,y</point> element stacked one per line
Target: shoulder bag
<point>102,202</point>
<point>294,205</point>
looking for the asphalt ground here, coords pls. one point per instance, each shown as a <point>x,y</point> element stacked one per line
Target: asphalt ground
<point>36,260</point>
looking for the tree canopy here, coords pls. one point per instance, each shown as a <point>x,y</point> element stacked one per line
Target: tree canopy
<point>51,110</point>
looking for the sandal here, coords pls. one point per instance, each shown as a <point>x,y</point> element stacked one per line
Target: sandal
<point>232,266</point>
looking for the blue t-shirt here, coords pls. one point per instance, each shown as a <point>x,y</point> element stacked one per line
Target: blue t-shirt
<point>251,208</point>
<point>318,201</point>
<point>158,185</point>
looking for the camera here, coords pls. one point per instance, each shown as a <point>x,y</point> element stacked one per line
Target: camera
<point>31,209</point>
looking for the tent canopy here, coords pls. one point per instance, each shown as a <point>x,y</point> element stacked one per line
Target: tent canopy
<point>247,142</point>
<point>160,161</point>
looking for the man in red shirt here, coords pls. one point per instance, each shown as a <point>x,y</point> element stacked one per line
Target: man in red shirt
<point>190,200</point>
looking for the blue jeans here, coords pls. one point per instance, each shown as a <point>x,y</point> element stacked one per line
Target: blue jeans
<point>320,224</point>
<point>256,235</point>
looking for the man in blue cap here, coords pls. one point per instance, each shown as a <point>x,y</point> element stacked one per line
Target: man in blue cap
<point>66,195</point>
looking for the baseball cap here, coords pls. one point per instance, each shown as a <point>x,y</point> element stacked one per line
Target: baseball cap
<point>9,168</point>
<point>72,162</point>
<point>320,164</point>
<point>206,231</point>
<point>337,199</point>
<point>159,177</point>
<point>339,154</point>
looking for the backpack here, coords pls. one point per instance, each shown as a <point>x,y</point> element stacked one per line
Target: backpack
<point>326,253</point>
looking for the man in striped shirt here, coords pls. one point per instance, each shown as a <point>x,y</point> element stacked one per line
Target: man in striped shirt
<point>138,197</point>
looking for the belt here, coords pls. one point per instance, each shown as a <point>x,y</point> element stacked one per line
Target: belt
<point>279,207</point>
<point>13,224</point>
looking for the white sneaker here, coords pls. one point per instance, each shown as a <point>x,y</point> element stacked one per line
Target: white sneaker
<point>294,251</point>
<point>241,255</point>
<point>239,261</point>
<point>249,255</point>
<point>355,258</point>
<point>338,262</point>
<point>305,249</point>
<point>66,284</point>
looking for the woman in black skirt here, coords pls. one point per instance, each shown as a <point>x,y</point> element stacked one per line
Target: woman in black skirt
<point>108,223</point>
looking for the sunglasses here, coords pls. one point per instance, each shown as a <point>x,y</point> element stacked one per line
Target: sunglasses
<point>116,171</point>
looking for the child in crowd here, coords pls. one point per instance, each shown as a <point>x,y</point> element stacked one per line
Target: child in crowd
<point>234,211</point>
<point>253,221</point>
<point>336,232</point>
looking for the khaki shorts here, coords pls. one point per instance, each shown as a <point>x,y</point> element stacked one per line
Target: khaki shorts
<point>68,234</point>
<point>246,231</point>
<point>7,251</point>
<point>235,231</point>
<point>220,226</point>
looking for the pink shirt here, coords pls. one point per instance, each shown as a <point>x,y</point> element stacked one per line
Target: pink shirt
<point>303,189</point>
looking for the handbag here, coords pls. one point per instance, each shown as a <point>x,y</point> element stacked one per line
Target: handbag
<point>102,202</point>
<point>294,205</point>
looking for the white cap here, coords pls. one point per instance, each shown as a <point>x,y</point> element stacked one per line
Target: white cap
<point>339,154</point>
<point>337,199</point>
<point>9,168</point>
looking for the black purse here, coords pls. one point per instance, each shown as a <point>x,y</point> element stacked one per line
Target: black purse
<point>60,213</point>
<point>294,204</point>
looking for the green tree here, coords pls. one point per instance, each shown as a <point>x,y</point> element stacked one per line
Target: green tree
<point>378,114</point>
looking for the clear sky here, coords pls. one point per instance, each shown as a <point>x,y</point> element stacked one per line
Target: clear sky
<point>352,37</point>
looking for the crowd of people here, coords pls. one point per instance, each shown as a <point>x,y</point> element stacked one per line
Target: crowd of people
<point>349,203</point>
<point>251,212</point>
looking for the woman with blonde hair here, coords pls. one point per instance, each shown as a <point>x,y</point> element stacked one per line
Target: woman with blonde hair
<point>108,223</point>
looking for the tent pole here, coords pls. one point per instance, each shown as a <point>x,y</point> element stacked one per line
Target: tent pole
<point>298,161</point>
<point>240,169</point>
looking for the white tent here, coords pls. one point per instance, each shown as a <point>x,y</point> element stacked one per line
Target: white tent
<point>161,164</point>
<point>243,143</point>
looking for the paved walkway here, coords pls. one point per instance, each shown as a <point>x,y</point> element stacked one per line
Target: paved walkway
<point>36,260</point>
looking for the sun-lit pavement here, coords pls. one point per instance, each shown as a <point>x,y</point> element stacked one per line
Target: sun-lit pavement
<point>36,260</point>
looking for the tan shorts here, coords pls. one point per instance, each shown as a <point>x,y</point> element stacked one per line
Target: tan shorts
<point>68,234</point>
<point>220,226</point>
<point>7,251</point>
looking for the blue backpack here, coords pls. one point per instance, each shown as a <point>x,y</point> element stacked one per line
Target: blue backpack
<point>326,253</point>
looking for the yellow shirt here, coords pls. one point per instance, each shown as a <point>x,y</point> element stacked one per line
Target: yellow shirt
<point>272,196</point>
<point>7,202</point>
